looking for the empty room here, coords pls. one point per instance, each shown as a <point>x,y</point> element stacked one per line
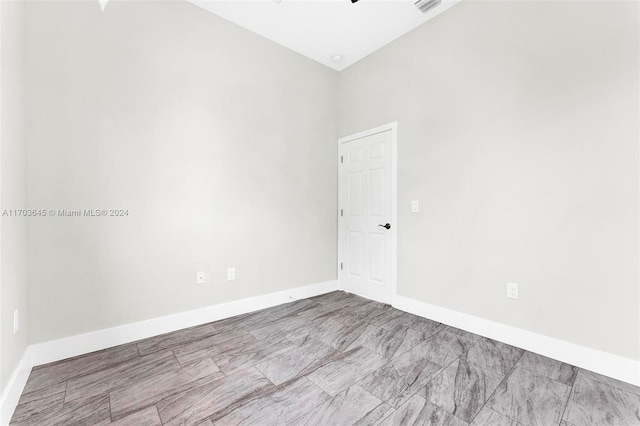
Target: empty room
<point>319,212</point>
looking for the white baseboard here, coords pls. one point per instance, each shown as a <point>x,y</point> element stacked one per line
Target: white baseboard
<point>624,369</point>
<point>55,350</point>
<point>14,388</point>
<point>620,368</point>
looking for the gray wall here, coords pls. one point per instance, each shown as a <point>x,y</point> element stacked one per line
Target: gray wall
<point>220,143</point>
<point>13,189</point>
<point>518,132</point>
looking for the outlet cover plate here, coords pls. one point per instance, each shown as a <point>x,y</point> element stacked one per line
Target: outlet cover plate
<point>512,290</point>
<point>16,317</point>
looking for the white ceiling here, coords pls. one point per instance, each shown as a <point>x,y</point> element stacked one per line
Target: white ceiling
<point>320,29</point>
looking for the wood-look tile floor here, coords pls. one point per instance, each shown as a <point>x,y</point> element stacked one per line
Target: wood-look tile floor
<point>335,359</point>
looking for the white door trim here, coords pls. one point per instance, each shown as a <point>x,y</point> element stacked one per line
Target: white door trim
<point>393,127</point>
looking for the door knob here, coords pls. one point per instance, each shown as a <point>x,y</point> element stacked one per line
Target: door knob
<point>386,225</point>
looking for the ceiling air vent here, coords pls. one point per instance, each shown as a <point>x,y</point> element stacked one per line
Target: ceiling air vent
<point>426,5</point>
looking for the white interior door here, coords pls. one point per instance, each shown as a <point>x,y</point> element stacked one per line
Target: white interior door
<point>367,214</point>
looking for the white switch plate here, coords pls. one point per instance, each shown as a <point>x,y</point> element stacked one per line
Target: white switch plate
<point>415,206</point>
<point>200,277</point>
<point>512,290</point>
<point>15,321</point>
<point>231,274</point>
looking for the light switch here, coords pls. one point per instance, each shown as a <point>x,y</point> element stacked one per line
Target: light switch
<point>415,206</point>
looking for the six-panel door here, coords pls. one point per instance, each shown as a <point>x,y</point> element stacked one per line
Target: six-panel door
<point>366,205</point>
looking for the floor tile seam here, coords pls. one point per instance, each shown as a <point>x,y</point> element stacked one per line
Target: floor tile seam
<point>178,361</point>
<point>566,405</point>
<point>66,391</point>
<point>504,380</point>
<point>437,373</point>
<point>39,399</point>
<point>113,366</point>
<point>500,414</point>
<point>158,412</point>
<point>604,382</point>
<point>173,346</point>
<point>68,379</point>
<point>38,414</point>
<point>257,394</point>
<point>206,348</point>
<point>173,391</point>
<point>292,422</point>
<point>380,402</point>
<point>138,349</point>
<point>264,375</point>
<point>530,370</point>
<point>110,414</point>
<point>493,370</point>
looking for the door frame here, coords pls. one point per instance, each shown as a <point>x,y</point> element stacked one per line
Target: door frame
<point>393,127</point>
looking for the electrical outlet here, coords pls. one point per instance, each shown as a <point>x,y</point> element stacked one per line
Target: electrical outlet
<point>15,321</point>
<point>415,206</point>
<point>200,277</point>
<point>512,290</point>
<point>231,274</point>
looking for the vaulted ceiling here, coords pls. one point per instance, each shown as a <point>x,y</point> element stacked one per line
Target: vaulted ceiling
<point>324,29</point>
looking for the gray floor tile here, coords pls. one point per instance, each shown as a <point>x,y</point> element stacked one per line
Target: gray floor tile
<point>462,388</point>
<point>394,342</point>
<point>86,412</point>
<point>530,399</point>
<point>279,327</point>
<point>332,360</point>
<point>418,411</point>
<point>488,417</point>
<point>213,346</point>
<point>322,311</point>
<point>494,355</point>
<point>443,347</point>
<point>244,321</point>
<point>214,399</point>
<point>414,322</point>
<point>176,338</point>
<point>376,416</point>
<point>555,370</point>
<point>51,374</point>
<point>147,417</point>
<point>340,373</point>
<point>244,356</point>
<point>627,387</point>
<point>387,317</point>
<point>302,360</point>
<point>319,329</point>
<point>36,402</point>
<point>291,308</point>
<point>350,336</point>
<point>400,379</point>
<point>142,393</point>
<point>334,296</point>
<point>596,403</point>
<point>104,381</point>
<point>366,312</point>
<point>349,407</point>
<point>279,406</point>
<point>471,336</point>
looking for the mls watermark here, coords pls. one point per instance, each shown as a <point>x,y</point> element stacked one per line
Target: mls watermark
<point>65,213</point>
